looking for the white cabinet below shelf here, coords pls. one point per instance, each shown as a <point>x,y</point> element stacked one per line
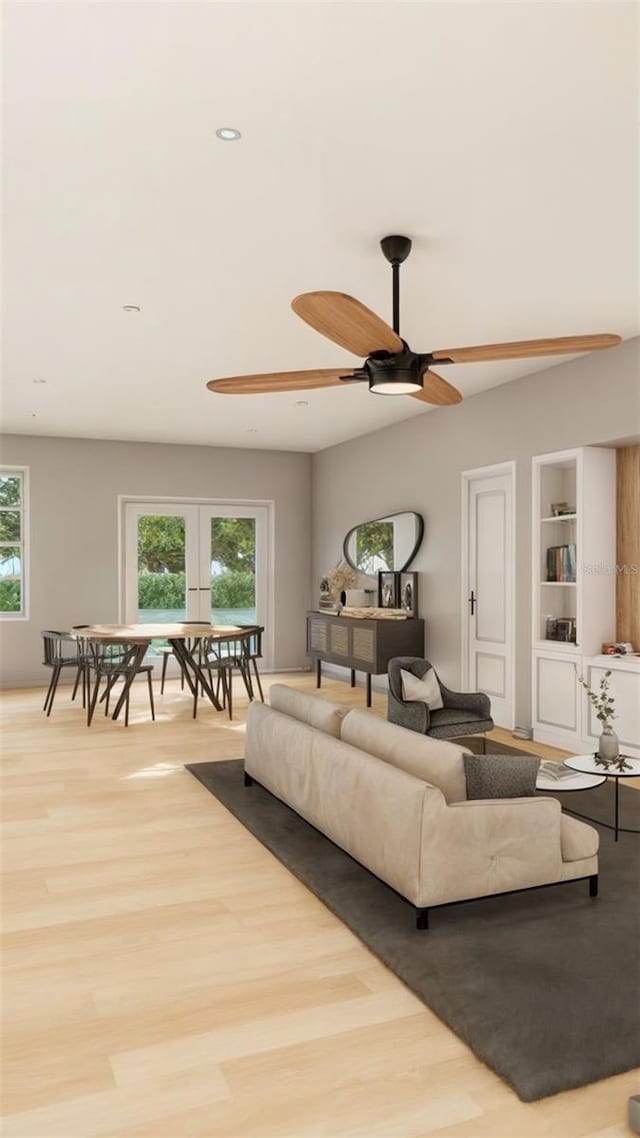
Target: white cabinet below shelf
<point>557,717</point>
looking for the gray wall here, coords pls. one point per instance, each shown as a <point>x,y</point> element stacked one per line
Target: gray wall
<point>74,530</point>
<point>416,465</point>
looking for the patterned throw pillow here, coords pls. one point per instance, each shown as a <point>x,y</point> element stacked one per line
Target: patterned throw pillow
<point>426,690</point>
<point>501,776</point>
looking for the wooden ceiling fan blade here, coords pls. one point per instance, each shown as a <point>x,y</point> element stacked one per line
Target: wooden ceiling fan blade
<point>436,390</point>
<point>347,322</point>
<point>525,349</point>
<point>279,381</point>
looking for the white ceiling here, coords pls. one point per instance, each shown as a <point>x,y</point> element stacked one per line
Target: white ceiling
<point>500,137</point>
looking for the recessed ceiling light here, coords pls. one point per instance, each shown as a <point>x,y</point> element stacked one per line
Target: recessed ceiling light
<point>302,403</point>
<point>252,430</point>
<point>39,381</point>
<point>131,307</point>
<point>228,133</point>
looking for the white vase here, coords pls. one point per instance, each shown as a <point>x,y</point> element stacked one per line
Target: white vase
<point>608,745</point>
<point>356,598</point>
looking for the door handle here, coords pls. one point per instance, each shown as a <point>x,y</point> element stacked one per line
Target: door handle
<point>473,600</point>
<point>192,589</point>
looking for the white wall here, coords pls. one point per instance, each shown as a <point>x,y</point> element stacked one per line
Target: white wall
<point>75,485</point>
<point>416,465</point>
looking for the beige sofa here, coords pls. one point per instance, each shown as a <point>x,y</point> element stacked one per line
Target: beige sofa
<point>396,801</point>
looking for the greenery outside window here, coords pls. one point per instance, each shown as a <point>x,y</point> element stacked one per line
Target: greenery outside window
<point>13,543</point>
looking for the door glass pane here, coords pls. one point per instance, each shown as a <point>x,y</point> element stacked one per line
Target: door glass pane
<point>161,568</point>
<point>233,571</point>
<point>10,579</point>
<point>9,525</point>
<point>10,489</point>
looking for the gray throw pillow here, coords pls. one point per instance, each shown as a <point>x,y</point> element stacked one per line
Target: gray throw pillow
<point>501,776</point>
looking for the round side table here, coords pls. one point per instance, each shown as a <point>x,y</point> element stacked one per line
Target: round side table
<point>587,765</point>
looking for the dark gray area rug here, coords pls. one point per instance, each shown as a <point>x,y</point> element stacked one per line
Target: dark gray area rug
<point>543,986</point>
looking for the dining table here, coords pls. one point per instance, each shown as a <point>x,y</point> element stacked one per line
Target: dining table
<point>184,639</point>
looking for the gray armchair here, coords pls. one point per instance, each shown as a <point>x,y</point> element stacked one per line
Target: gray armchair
<point>464,713</point>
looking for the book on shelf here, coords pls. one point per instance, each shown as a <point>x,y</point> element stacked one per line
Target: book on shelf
<point>561,564</point>
<point>555,772</point>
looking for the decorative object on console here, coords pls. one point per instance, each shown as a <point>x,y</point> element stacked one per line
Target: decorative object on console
<point>408,593</point>
<point>357,599</point>
<point>604,707</point>
<point>372,613</point>
<point>388,590</point>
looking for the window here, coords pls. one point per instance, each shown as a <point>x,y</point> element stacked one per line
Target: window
<point>13,542</point>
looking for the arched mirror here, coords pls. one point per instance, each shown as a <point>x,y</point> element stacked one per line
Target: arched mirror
<point>384,544</point>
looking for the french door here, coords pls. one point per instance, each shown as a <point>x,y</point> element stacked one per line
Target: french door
<point>188,562</point>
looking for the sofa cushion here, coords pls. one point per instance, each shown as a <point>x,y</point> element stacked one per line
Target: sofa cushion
<point>428,759</point>
<point>501,776</point>
<point>311,709</point>
<point>578,841</point>
<point>425,690</point>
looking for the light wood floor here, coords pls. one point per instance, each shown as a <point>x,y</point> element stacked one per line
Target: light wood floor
<point>166,977</point>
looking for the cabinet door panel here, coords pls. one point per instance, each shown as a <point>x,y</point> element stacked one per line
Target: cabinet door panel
<point>557,693</point>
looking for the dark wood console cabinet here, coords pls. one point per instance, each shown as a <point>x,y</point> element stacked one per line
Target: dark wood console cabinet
<point>363,645</point>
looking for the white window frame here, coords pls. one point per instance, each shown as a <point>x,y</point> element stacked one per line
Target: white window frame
<point>23,471</point>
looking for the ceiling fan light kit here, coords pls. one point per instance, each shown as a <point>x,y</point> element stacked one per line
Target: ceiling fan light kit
<point>390,366</point>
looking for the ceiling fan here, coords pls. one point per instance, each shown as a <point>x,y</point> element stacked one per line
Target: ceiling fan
<point>390,367</point>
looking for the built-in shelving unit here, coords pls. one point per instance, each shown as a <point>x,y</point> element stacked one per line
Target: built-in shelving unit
<point>573,582</point>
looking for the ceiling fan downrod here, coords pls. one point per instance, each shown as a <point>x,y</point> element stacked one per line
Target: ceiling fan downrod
<point>396,249</point>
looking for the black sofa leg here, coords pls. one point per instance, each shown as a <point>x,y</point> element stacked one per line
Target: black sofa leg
<point>422,918</point>
<point>248,781</point>
<point>593,885</point>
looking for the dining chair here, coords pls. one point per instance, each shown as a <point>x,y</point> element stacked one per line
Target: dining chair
<point>252,651</point>
<point>57,659</point>
<point>237,651</point>
<point>112,662</point>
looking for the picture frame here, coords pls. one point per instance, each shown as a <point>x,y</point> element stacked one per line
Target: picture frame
<point>408,593</point>
<point>387,590</point>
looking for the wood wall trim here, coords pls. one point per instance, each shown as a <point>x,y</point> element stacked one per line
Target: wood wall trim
<point>628,546</point>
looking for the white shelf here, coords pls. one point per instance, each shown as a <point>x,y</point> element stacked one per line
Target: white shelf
<point>585,607</point>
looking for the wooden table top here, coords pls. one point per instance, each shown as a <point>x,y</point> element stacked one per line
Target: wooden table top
<point>144,633</point>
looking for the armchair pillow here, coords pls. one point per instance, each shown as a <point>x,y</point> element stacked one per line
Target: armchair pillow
<point>500,776</point>
<point>426,690</point>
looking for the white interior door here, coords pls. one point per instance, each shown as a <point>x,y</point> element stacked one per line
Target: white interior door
<point>198,562</point>
<point>488,577</point>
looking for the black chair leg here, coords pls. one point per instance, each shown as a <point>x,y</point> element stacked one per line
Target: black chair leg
<point>55,677</point>
<point>165,657</point>
<point>49,690</point>
<point>93,697</point>
<point>229,680</point>
<point>75,686</point>
<point>126,711</point>
<point>255,668</point>
<point>153,710</point>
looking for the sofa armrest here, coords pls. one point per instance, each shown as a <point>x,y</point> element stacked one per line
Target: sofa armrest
<point>467,701</point>
<point>485,846</point>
